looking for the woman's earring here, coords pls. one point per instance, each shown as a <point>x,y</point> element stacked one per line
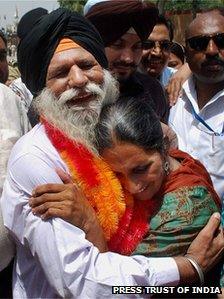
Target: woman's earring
<point>166,167</point>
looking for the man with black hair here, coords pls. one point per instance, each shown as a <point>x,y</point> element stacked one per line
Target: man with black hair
<point>157,51</point>
<point>124,27</point>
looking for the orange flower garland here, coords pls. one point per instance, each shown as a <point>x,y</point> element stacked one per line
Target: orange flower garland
<point>94,177</point>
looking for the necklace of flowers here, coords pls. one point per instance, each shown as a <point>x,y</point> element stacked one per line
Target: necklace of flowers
<point>124,221</point>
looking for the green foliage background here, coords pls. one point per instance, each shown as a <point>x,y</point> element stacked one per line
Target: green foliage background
<point>76,5</point>
<point>189,4</point>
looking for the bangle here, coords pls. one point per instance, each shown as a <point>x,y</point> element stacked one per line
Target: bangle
<point>197,268</point>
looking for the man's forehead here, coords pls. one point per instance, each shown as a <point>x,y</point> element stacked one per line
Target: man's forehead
<point>160,31</point>
<point>206,24</point>
<point>130,36</point>
<point>75,55</point>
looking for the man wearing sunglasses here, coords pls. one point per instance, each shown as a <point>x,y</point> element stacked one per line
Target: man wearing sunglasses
<point>198,116</point>
<point>156,51</point>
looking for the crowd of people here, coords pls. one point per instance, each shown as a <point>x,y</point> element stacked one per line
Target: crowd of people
<point>111,152</point>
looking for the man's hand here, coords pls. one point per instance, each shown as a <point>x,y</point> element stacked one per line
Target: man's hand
<point>68,202</point>
<point>176,82</point>
<point>206,249</point>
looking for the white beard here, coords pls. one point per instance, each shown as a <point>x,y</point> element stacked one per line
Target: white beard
<point>77,122</point>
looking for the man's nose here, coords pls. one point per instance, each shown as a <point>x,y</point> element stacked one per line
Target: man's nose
<point>212,49</point>
<point>77,77</point>
<point>127,55</point>
<point>156,50</point>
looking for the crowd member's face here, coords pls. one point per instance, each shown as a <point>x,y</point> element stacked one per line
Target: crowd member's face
<point>156,51</point>
<point>4,71</point>
<point>124,56</point>
<point>140,173</point>
<point>74,68</point>
<point>174,61</point>
<point>205,52</point>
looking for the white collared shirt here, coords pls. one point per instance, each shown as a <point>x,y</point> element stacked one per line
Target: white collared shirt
<point>194,138</point>
<point>53,257</point>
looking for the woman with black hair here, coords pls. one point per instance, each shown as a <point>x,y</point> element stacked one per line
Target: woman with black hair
<point>177,56</point>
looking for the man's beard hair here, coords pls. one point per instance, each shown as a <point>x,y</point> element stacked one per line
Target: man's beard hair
<point>78,121</point>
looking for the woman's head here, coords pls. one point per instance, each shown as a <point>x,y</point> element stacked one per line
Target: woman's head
<point>130,139</point>
<point>177,56</point>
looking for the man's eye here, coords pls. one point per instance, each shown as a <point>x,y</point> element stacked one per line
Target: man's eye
<point>138,46</point>
<point>118,45</point>
<point>86,66</point>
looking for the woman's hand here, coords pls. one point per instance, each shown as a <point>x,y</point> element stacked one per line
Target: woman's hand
<point>68,202</point>
<point>176,82</point>
<point>206,250</point>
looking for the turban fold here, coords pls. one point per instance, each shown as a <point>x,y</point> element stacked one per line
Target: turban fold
<point>28,20</point>
<point>37,47</point>
<point>115,17</point>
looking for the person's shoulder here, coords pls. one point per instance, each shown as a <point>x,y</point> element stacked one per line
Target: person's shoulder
<point>150,84</point>
<point>6,92</point>
<point>35,142</point>
<point>145,78</point>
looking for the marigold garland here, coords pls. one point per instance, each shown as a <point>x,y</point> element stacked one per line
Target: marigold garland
<point>123,220</point>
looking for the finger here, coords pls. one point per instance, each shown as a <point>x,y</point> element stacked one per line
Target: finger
<point>174,91</point>
<point>167,88</point>
<point>47,197</point>
<point>212,224</point>
<point>48,188</point>
<point>65,177</point>
<point>52,212</point>
<point>41,209</point>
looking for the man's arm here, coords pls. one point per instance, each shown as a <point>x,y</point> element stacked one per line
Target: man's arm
<point>71,264</point>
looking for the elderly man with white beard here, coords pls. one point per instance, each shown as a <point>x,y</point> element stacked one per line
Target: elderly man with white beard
<point>62,59</point>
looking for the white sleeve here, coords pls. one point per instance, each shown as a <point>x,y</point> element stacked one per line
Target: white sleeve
<point>13,124</point>
<point>11,129</point>
<point>73,266</point>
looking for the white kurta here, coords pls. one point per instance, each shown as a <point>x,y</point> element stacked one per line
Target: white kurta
<point>53,257</point>
<point>194,138</point>
<point>13,124</point>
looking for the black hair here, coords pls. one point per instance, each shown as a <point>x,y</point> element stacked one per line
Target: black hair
<point>178,50</point>
<point>162,20</point>
<point>129,120</point>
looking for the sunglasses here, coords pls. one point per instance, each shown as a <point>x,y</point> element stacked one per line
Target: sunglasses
<point>200,43</point>
<point>151,44</point>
